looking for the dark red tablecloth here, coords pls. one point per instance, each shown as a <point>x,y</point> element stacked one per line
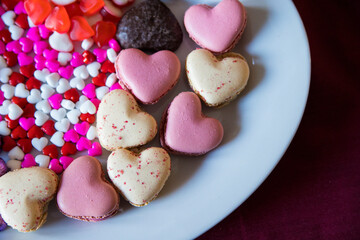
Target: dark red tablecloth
<point>314,191</point>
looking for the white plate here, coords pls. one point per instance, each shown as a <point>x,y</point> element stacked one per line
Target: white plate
<point>259,126</point>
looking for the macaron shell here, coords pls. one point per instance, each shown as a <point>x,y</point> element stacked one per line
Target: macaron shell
<point>185,130</point>
<point>24,197</point>
<point>121,123</point>
<point>84,193</point>
<point>147,77</point>
<point>216,79</point>
<point>216,29</point>
<point>139,177</point>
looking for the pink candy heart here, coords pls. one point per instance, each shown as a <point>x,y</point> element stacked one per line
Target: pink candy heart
<point>95,149</point>
<point>100,54</point>
<point>40,46</point>
<point>76,60</point>
<point>66,72</point>
<point>52,65</point>
<point>55,166</point>
<point>82,128</point>
<point>71,136</point>
<point>96,102</point>
<point>29,161</point>
<point>33,34</point>
<point>19,8</point>
<point>50,54</point>
<point>13,46</point>
<point>24,59</point>
<point>115,86</point>
<point>89,91</point>
<point>26,123</point>
<point>65,161</point>
<point>83,144</point>
<point>39,62</point>
<point>26,44</point>
<point>44,32</point>
<point>55,101</point>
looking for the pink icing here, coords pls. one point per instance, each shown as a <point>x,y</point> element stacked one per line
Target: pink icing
<point>148,77</point>
<point>216,29</point>
<point>187,130</point>
<point>83,192</point>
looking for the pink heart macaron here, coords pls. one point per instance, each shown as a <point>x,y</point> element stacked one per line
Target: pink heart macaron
<point>185,130</point>
<point>217,28</point>
<point>147,77</point>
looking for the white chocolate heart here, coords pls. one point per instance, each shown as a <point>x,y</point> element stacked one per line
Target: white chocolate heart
<point>139,177</point>
<point>216,79</point>
<point>121,123</point>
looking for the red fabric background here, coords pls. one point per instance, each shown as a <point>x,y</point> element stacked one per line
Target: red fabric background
<point>314,191</point>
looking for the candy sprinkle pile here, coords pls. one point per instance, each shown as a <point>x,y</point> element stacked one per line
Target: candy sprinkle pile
<point>56,65</point>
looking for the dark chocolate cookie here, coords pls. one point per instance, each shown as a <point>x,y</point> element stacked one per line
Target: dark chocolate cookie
<point>149,26</point>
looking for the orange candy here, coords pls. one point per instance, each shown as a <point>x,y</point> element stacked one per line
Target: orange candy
<point>104,31</point>
<point>80,29</point>
<point>90,7</point>
<point>58,20</point>
<point>38,10</point>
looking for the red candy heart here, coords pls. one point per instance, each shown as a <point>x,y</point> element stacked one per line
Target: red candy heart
<point>18,133</point>
<point>90,7</point>
<point>27,70</point>
<point>38,10</point>
<point>35,132</point>
<point>29,111</point>
<point>51,151</point>
<point>90,118</point>
<point>107,67</point>
<point>80,29</point>
<point>72,94</point>
<point>73,10</point>
<point>11,58</point>
<point>104,32</point>
<point>21,21</point>
<point>16,78</point>
<point>48,127</point>
<point>9,4</point>
<point>88,57</point>
<point>5,36</point>
<point>68,149</point>
<point>8,143</point>
<point>58,20</point>
<point>21,102</point>
<point>25,145</point>
<point>11,123</point>
<point>32,83</point>
<point>99,80</point>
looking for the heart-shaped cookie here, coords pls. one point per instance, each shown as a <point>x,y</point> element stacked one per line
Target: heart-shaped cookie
<point>148,78</point>
<point>25,195</point>
<point>151,26</point>
<point>121,123</point>
<point>216,79</point>
<point>217,29</point>
<point>139,177</point>
<point>185,130</point>
<point>84,194</point>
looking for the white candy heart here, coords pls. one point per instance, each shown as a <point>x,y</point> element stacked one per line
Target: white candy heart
<point>31,24</point>
<point>63,86</point>
<point>42,160</point>
<point>53,79</point>
<point>13,164</point>
<point>44,106</point>
<point>8,18</point>
<point>64,58</point>
<point>4,108</point>
<point>4,130</point>
<point>111,79</point>
<point>101,91</point>
<point>88,107</point>
<point>61,42</point>
<point>46,91</point>
<point>41,74</point>
<point>5,74</point>
<point>63,125</point>
<point>34,97</point>
<point>63,2</point>
<point>81,101</point>
<point>21,91</point>
<point>77,83</point>
<point>73,116</point>
<point>16,32</point>
<point>39,143</point>
<point>15,111</point>
<point>58,139</point>
<point>93,68</point>
<point>111,55</point>
<point>67,104</point>
<point>58,114</point>
<point>3,63</point>
<point>16,153</point>
<point>87,43</point>
<point>40,118</point>
<point>81,72</point>
<point>91,133</point>
<point>8,91</point>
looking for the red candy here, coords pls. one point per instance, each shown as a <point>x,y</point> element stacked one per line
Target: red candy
<point>88,57</point>
<point>21,102</point>
<point>25,145</point>
<point>18,133</point>
<point>90,7</point>
<point>5,36</point>
<point>73,10</point>
<point>48,127</point>
<point>8,143</point>
<point>72,94</point>
<point>21,21</point>
<point>16,78</point>
<point>35,132</point>
<point>11,123</point>
<point>90,118</point>
<point>51,151</point>
<point>27,70</point>
<point>104,32</point>
<point>29,111</point>
<point>107,67</point>
<point>32,83</point>
<point>80,29</point>
<point>68,149</point>
<point>11,58</point>
<point>58,20</point>
<point>38,10</point>
<point>9,4</point>
<point>99,80</point>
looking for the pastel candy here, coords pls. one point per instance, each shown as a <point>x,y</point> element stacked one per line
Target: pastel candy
<point>216,79</point>
<point>139,177</point>
<point>147,77</point>
<point>121,123</point>
<point>217,29</point>
<point>185,130</point>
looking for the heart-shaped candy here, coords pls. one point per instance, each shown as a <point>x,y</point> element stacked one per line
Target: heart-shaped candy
<point>25,195</point>
<point>185,130</point>
<point>216,79</point>
<point>148,78</point>
<point>84,193</point>
<point>121,123</point>
<point>217,29</point>
<point>139,177</point>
